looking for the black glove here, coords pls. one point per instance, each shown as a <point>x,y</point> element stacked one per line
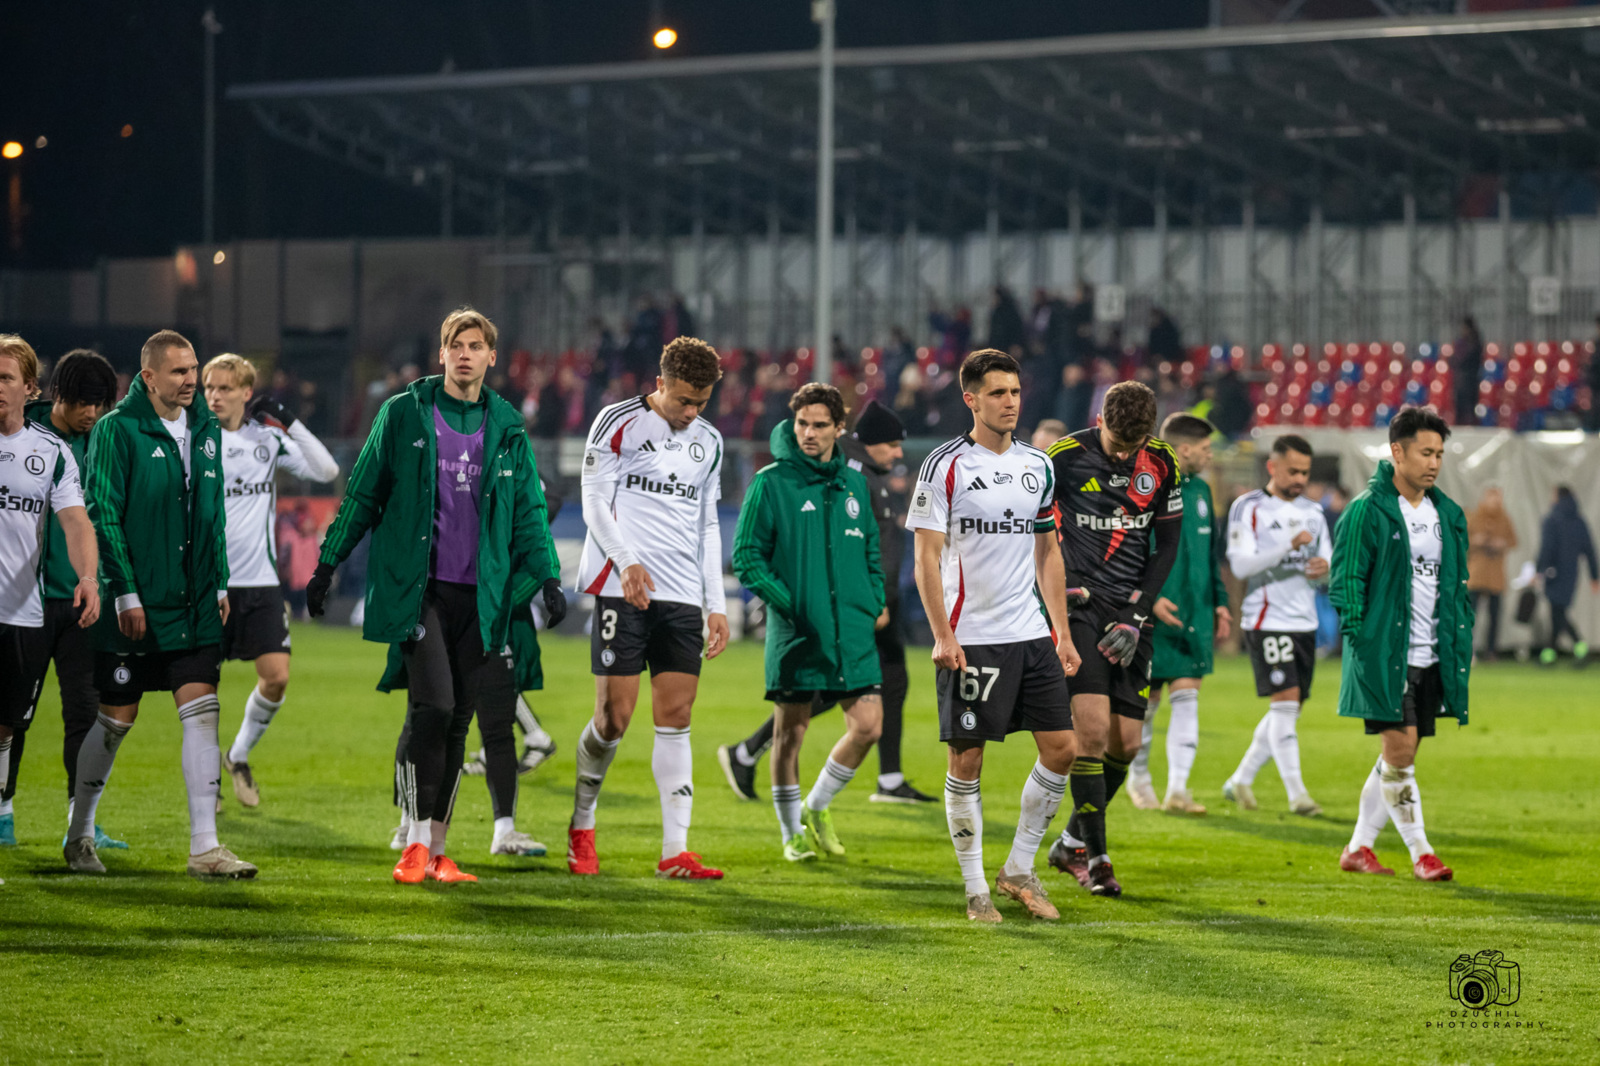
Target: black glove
<point>1121,638</point>
<point>1077,597</point>
<point>266,410</point>
<point>317,589</point>
<point>555,603</point>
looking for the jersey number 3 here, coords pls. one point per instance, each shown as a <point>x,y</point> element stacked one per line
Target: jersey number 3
<point>608,624</point>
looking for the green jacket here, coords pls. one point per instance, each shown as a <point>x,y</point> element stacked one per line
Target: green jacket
<point>160,538</point>
<point>524,645</point>
<point>392,492</point>
<point>1370,586</point>
<point>60,579</point>
<point>807,544</point>
<point>1195,585</point>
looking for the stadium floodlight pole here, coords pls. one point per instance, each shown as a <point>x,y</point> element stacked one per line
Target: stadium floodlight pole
<point>209,183</point>
<point>822,12</point>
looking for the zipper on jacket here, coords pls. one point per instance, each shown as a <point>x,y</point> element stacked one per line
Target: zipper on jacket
<point>833,585</point>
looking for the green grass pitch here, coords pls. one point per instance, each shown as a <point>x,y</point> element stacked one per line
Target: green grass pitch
<point>1239,940</point>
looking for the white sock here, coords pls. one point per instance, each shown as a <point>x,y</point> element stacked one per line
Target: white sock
<point>202,769</point>
<point>833,777</point>
<point>1404,802</point>
<point>890,782</point>
<point>1139,769</point>
<point>786,801</point>
<point>258,712</point>
<point>672,762</point>
<point>743,756</point>
<point>1183,737</point>
<point>438,837</point>
<point>504,827</point>
<point>5,769</point>
<point>1041,798</point>
<point>533,731</point>
<point>5,807</point>
<point>594,759</point>
<point>1256,756</point>
<point>963,810</point>
<point>95,759</point>
<point>405,821</point>
<point>1281,715</point>
<point>419,831</point>
<point>1070,841</point>
<point>1372,815</point>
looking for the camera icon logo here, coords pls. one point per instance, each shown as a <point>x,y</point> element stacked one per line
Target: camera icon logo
<point>1487,979</point>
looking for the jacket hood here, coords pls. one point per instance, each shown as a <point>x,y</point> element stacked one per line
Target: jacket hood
<point>426,391</point>
<point>785,449</point>
<point>1381,483</point>
<point>854,449</point>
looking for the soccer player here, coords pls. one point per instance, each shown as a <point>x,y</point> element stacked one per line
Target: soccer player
<point>1399,583</point>
<point>808,546</point>
<point>83,387</point>
<point>254,445</point>
<point>446,483</point>
<point>985,552</point>
<point>652,476</point>
<point>38,480</point>
<point>1278,545</point>
<point>154,489</point>
<point>1191,614</point>
<point>872,448</point>
<point>1118,517</point>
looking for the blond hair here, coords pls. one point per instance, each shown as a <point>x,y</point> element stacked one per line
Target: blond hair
<point>462,319</point>
<point>27,359</point>
<point>242,369</point>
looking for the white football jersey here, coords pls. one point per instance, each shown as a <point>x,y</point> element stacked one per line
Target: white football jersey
<point>660,485</point>
<point>37,475</point>
<point>251,456</point>
<point>988,507</point>
<point>1427,552</point>
<point>1278,597</point>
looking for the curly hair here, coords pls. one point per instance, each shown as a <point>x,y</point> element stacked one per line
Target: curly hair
<point>816,392</point>
<point>1129,411</point>
<point>82,376</point>
<point>691,361</point>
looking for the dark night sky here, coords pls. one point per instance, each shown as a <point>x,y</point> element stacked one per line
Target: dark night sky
<point>84,70</point>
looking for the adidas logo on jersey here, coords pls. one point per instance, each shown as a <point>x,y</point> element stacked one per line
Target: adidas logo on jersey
<point>977,483</point>
<point>465,458</point>
<point>1092,485</point>
<point>647,446</point>
<point>418,443</point>
<point>809,506</point>
<point>158,453</point>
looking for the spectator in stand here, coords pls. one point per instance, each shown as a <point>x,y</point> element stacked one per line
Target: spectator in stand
<point>907,400</point>
<point>1049,340</point>
<point>1591,377</point>
<point>379,389</point>
<point>1080,316</point>
<point>645,339</point>
<point>1075,398</point>
<point>678,321</point>
<point>1105,376</point>
<point>1005,320</point>
<point>1230,410</point>
<point>1163,344</point>
<point>898,354</point>
<point>1563,541</point>
<point>955,334</point>
<point>1048,432</point>
<point>1466,364</point>
<point>297,555</point>
<point>1490,535</point>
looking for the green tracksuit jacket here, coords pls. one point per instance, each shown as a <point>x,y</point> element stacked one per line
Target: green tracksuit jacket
<point>807,544</point>
<point>160,538</point>
<point>1370,585</point>
<point>1195,585</point>
<point>60,579</point>
<point>392,492</point>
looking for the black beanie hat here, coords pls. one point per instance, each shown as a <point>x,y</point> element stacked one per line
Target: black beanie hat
<point>878,425</point>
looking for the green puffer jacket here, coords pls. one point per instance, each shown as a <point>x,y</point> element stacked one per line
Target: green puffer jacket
<point>160,538</point>
<point>60,579</point>
<point>807,544</point>
<point>1370,586</point>
<point>392,492</point>
<point>1195,585</point>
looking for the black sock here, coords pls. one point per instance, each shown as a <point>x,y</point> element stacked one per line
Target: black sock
<point>1088,781</point>
<point>1116,774</point>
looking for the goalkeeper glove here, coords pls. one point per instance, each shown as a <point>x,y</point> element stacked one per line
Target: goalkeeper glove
<point>1121,639</point>
<point>266,410</point>
<point>555,603</point>
<point>317,590</point>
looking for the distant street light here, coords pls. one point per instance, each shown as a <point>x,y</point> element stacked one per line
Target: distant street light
<point>12,150</point>
<point>665,38</point>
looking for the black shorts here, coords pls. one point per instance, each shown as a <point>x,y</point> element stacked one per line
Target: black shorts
<point>24,660</point>
<point>1282,660</point>
<point>123,679</point>
<point>258,623</point>
<point>1006,688</point>
<point>667,637</point>
<point>1419,705</point>
<point>1127,686</point>
<point>821,698</point>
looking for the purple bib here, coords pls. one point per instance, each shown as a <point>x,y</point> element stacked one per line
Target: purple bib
<point>455,518</point>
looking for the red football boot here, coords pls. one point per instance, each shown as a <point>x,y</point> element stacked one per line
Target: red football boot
<point>443,868</point>
<point>1362,861</point>
<point>1429,868</point>
<point>413,865</point>
<point>581,857</point>
<point>686,865</point>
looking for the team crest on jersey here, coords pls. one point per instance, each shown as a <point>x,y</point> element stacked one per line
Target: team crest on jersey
<point>1200,505</point>
<point>122,675</point>
<point>1030,482</point>
<point>852,507</point>
<point>262,454</point>
<point>969,720</point>
<point>210,448</point>
<point>419,632</point>
<point>1277,677</point>
<point>34,464</point>
<point>607,657</point>
<point>1144,484</point>
<point>696,452</point>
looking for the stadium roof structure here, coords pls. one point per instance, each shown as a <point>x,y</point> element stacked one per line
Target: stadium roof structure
<point>1364,118</point>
